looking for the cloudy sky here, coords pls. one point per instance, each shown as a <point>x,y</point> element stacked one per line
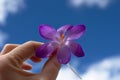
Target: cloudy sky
<point>19,21</point>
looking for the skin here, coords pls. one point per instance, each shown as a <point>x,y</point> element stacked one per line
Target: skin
<point>13,65</point>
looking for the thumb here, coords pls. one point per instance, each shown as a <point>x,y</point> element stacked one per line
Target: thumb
<point>51,68</point>
<point>24,51</point>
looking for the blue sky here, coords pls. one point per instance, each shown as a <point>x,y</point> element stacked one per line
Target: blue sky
<point>101,42</point>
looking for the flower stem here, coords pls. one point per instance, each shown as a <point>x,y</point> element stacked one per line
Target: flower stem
<point>71,68</point>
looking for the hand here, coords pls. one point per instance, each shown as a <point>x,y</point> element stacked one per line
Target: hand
<point>13,65</point>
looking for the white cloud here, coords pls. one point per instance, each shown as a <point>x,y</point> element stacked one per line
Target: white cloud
<point>9,7</point>
<point>66,74</point>
<point>3,38</point>
<point>107,69</point>
<point>90,3</point>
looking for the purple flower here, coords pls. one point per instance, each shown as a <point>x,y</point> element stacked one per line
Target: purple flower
<point>62,40</point>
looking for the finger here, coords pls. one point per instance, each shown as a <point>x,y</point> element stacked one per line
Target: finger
<point>24,51</point>
<point>36,59</point>
<point>8,47</point>
<point>26,66</point>
<point>51,68</point>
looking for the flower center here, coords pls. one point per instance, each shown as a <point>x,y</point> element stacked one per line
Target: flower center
<point>63,36</point>
<point>61,40</point>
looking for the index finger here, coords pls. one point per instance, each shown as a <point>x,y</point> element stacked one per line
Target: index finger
<point>25,50</point>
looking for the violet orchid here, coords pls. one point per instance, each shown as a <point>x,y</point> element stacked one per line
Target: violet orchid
<point>62,40</point>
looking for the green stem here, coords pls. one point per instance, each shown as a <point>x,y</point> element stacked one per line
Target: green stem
<point>71,68</point>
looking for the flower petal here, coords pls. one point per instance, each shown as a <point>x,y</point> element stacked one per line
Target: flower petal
<point>47,32</point>
<point>45,50</point>
<point>63,29</point>
<point>76,48</point>
<point>64,55</point>
<point>75,32</point>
